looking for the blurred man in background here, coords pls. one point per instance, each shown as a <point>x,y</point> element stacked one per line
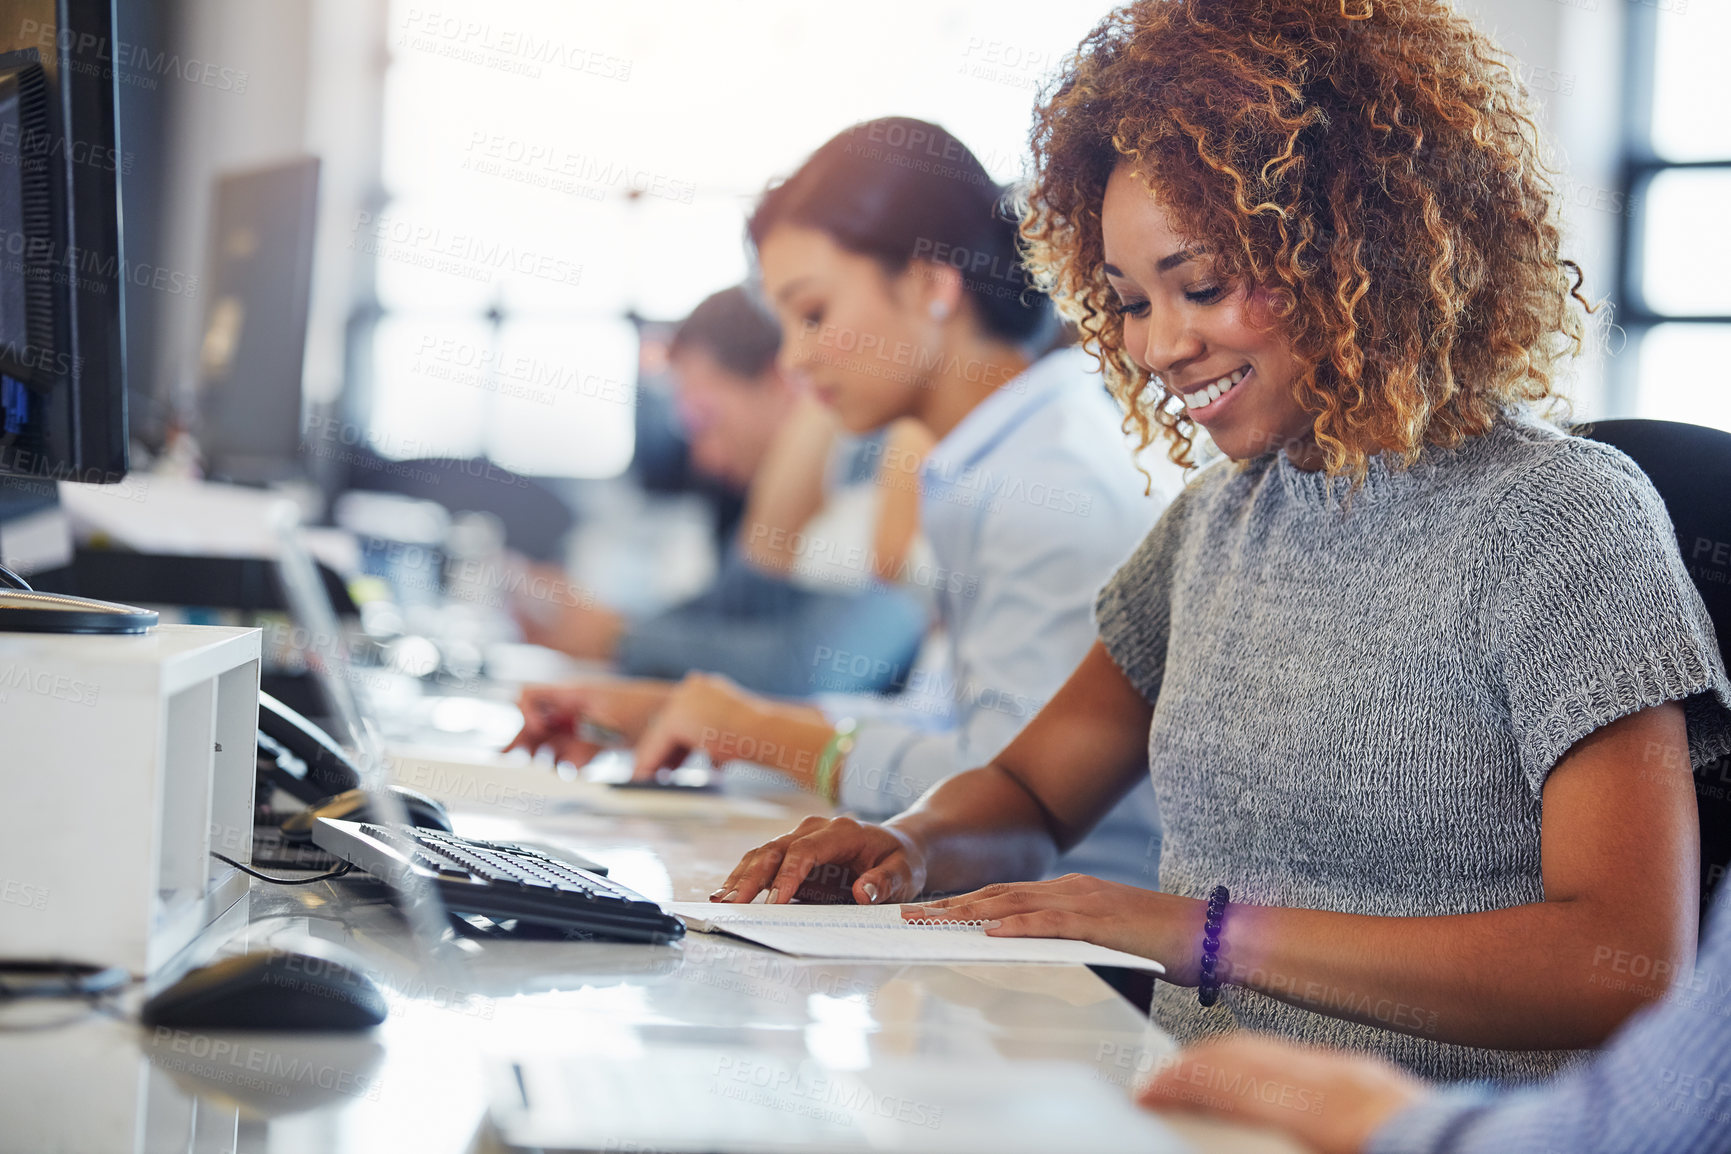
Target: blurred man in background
<point>753,626</point>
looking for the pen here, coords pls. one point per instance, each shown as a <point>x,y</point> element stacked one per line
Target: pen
<point>598,734</point>
<point>583,728</point>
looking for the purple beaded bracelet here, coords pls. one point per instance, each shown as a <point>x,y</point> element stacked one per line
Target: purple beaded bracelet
<point>1208,988</point>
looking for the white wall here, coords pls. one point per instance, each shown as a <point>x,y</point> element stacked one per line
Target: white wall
<point>1573,58</point>
<point>311,84</point>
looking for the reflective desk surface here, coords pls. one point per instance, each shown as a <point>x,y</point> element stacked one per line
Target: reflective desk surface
<point>101,1083</point>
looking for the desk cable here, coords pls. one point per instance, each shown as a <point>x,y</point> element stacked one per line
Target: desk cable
<point>26,979</point>
<point>246,869</point>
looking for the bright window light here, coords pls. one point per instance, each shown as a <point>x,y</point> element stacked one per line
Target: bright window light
<point>541,397</point>
<point>426,404</point>
<point>1686,242</point>
<point>1682,374</point>
<point>1691,85</point>
<point>566,397</point>
<point>560,166</point>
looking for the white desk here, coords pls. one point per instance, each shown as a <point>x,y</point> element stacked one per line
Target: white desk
<point>107,1086</point>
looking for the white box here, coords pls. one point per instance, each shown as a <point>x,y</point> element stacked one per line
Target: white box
<point>124,761</point>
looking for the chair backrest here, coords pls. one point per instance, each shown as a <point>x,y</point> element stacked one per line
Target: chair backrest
<point>1690,466</point>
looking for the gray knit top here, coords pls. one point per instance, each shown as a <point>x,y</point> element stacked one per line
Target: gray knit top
<point>1356,704</point>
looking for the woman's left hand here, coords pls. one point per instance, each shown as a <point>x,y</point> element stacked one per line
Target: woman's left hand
<point>1154,925</point>
<point>704,711</point>
<point>707,711</point>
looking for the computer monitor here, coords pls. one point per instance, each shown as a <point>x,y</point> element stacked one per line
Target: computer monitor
<point>62,359</point>
<point>255,324</point>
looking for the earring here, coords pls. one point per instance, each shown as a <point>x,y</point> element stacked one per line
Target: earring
<point>940,310</point>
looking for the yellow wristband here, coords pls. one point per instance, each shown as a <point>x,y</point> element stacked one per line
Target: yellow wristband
<point>827,779</point>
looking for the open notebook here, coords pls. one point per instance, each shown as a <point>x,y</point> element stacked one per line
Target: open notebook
<point>878,933</point>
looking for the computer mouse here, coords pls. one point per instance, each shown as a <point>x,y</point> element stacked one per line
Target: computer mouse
<point>269,990</point>
<point>351,805</point>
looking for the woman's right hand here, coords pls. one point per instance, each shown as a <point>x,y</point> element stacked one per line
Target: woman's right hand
<point>830,860</point>
<point>552,713</point>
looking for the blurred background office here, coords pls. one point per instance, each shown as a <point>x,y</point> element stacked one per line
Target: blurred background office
<point>411,261</point>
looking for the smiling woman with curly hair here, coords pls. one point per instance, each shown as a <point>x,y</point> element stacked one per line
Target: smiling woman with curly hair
<point>1418,677</point>
<point>1378,180</point>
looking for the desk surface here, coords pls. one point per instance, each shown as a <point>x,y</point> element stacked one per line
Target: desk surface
<point>107,1085</point>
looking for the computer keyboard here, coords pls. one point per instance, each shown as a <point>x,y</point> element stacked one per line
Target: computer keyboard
<point>500,880</point>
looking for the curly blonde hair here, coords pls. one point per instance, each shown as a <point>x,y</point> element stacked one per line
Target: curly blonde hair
<point>1381,179</point>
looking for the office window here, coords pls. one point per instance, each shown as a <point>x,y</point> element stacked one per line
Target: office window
<point>1677,298</point>
<point>552,168</point>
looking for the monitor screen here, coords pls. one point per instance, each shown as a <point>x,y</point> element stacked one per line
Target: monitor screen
<point>255,324</point>
<point>62,275</point>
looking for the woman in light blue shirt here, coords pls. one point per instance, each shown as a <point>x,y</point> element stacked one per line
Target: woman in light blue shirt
<point>896,276</point>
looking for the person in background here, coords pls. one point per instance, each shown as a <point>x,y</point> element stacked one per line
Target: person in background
<point>902,295</point>
<point>1661,1086</point>
<point>862,532</point>
<point>754,627</point>
<point>1410,668</point>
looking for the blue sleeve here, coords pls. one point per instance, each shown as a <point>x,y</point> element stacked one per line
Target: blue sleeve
<point>1018,634</point>
<point>1662,1085</point>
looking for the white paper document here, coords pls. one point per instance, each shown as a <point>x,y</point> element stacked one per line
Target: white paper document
<point>878,933</point>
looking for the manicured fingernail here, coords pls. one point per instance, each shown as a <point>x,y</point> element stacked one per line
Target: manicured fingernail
<point>730,895</point>
<point>871,892</point>
<point>990,924</point>
<point>715,895</point>
<point>773,894</point>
